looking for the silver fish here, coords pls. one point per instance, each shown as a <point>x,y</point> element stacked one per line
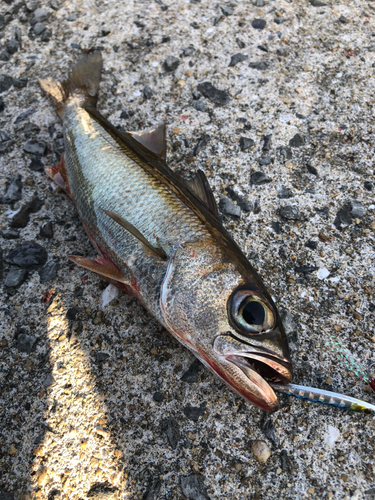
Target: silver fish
<point>160,239</point>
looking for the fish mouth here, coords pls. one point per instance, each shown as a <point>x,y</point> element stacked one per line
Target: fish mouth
<point>254,369</point>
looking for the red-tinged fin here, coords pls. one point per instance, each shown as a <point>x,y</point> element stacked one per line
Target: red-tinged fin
<point>200,186</point>
<point>157,252</point>
<point>153,140</point>
<point>83,83</point>
<point>58,175</point>
<point>101,266</point>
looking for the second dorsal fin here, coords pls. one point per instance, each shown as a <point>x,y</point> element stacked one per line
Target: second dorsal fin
<point>200,186</point>
<point>153,140</point>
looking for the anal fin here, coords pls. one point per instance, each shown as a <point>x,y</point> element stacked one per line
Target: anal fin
<point>158,252</point>
<point>103,267</point>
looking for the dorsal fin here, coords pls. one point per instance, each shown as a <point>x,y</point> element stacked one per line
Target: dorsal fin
<point>153,140</point>
<point>159,252</point>
<point>200,186</point>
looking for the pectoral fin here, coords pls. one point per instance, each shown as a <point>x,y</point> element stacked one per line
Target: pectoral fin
<point>101,266</point>
<point>159,252</point>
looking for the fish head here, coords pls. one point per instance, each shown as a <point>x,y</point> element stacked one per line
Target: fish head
<point>224,314</point>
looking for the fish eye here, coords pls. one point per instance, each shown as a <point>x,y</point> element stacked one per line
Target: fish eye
<point>250,312</point>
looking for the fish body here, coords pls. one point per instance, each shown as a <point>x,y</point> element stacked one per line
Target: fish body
<point>161,240</point>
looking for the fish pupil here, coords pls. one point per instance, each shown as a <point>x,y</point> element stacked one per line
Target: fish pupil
<point>253,313</point>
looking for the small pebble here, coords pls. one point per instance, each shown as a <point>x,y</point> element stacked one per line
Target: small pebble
<point>28,255</point>
<point>259,178</point>
<point>15,277</point>
<point>237,58</point>
<point>226,207</point>
<point>290,212</point>
<point>258,24</point>
<point>261,451</point>
<point>46,231</point>
<point>246,143</point>
<point>171,63</point>
<point>212,93</point>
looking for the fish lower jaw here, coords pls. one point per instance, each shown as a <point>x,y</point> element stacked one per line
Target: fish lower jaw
<point>270,370</point>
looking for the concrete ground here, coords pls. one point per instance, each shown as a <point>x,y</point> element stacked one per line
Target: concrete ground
<point>96,399</point>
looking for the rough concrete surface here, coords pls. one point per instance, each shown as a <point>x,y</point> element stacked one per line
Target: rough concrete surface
<point>92,401</point>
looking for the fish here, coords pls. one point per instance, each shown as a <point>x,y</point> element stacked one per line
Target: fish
<point>160,239</point>
<point>326,397</point>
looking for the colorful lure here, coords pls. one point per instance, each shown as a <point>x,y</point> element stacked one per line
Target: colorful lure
<point>326,397</point>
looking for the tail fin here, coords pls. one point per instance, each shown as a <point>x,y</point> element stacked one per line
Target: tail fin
<point>83,82</point>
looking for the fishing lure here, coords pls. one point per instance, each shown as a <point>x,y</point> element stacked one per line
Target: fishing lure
<point>326,397</point>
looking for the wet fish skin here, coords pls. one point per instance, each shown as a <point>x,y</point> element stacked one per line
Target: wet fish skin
<point>204,287</point>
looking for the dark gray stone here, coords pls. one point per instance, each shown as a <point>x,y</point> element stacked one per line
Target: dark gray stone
<point>13,191</point>
<point>101,356</point>
<point>158,397</point>
<point>237,58</point>
<point>289,323</point>
<point>191,375</point>
<point>311,169</point>
<point>39,28</point>
<point>171,63</point>
<point>39,15</point>
<point>227,9</point>
<point>246,143</point>
<point>5,142</point>
<point>227,207</point>
<point>25,342</point>
<point>171,429</point>
<point>317,3</point>
<point>343,217</point>
<point>72,313</point>
<point>193,487</point>
<point>241,202</point>
<point>267,142</point>
<point>46,36</point>
<point>260,65</point>
<point>12,46</point>
<point>312,244</point>
<point>368,185</point>
<point>258,24</point>
<point>22,217</point>
<point>36,164</point>
<point>15,277</point>
<point>5,83</point>
<point>2,105</point>
<point>188,51</point>
<point>48,380</point>
<point>46,231</point>
<point>102,491</point>
<point>343,20</point>
<point>259,178</point>
<point>240,43</point>
<point>296,141</point>
<point>5,495</point>
<point>199,105</point>
<point>4,56</point>
<point>200,144</point>
<point>212,93</point>
<point>265,161</point>
<point>28,255</point>
<point>305,269</point>
<point>35,147</point>
<point>10,234</point>
<point>285,193</point>
<point>358,210</point>
<point>152,491</point>
<point>31,5</point>
<point>49,271</point>
<point>268,428</point>
<point>194,412</point>
<point>290,212</point>
<point>25,114</point>
<point>147,92</point>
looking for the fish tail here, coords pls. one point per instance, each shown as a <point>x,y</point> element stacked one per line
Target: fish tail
<point>83,83</point>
